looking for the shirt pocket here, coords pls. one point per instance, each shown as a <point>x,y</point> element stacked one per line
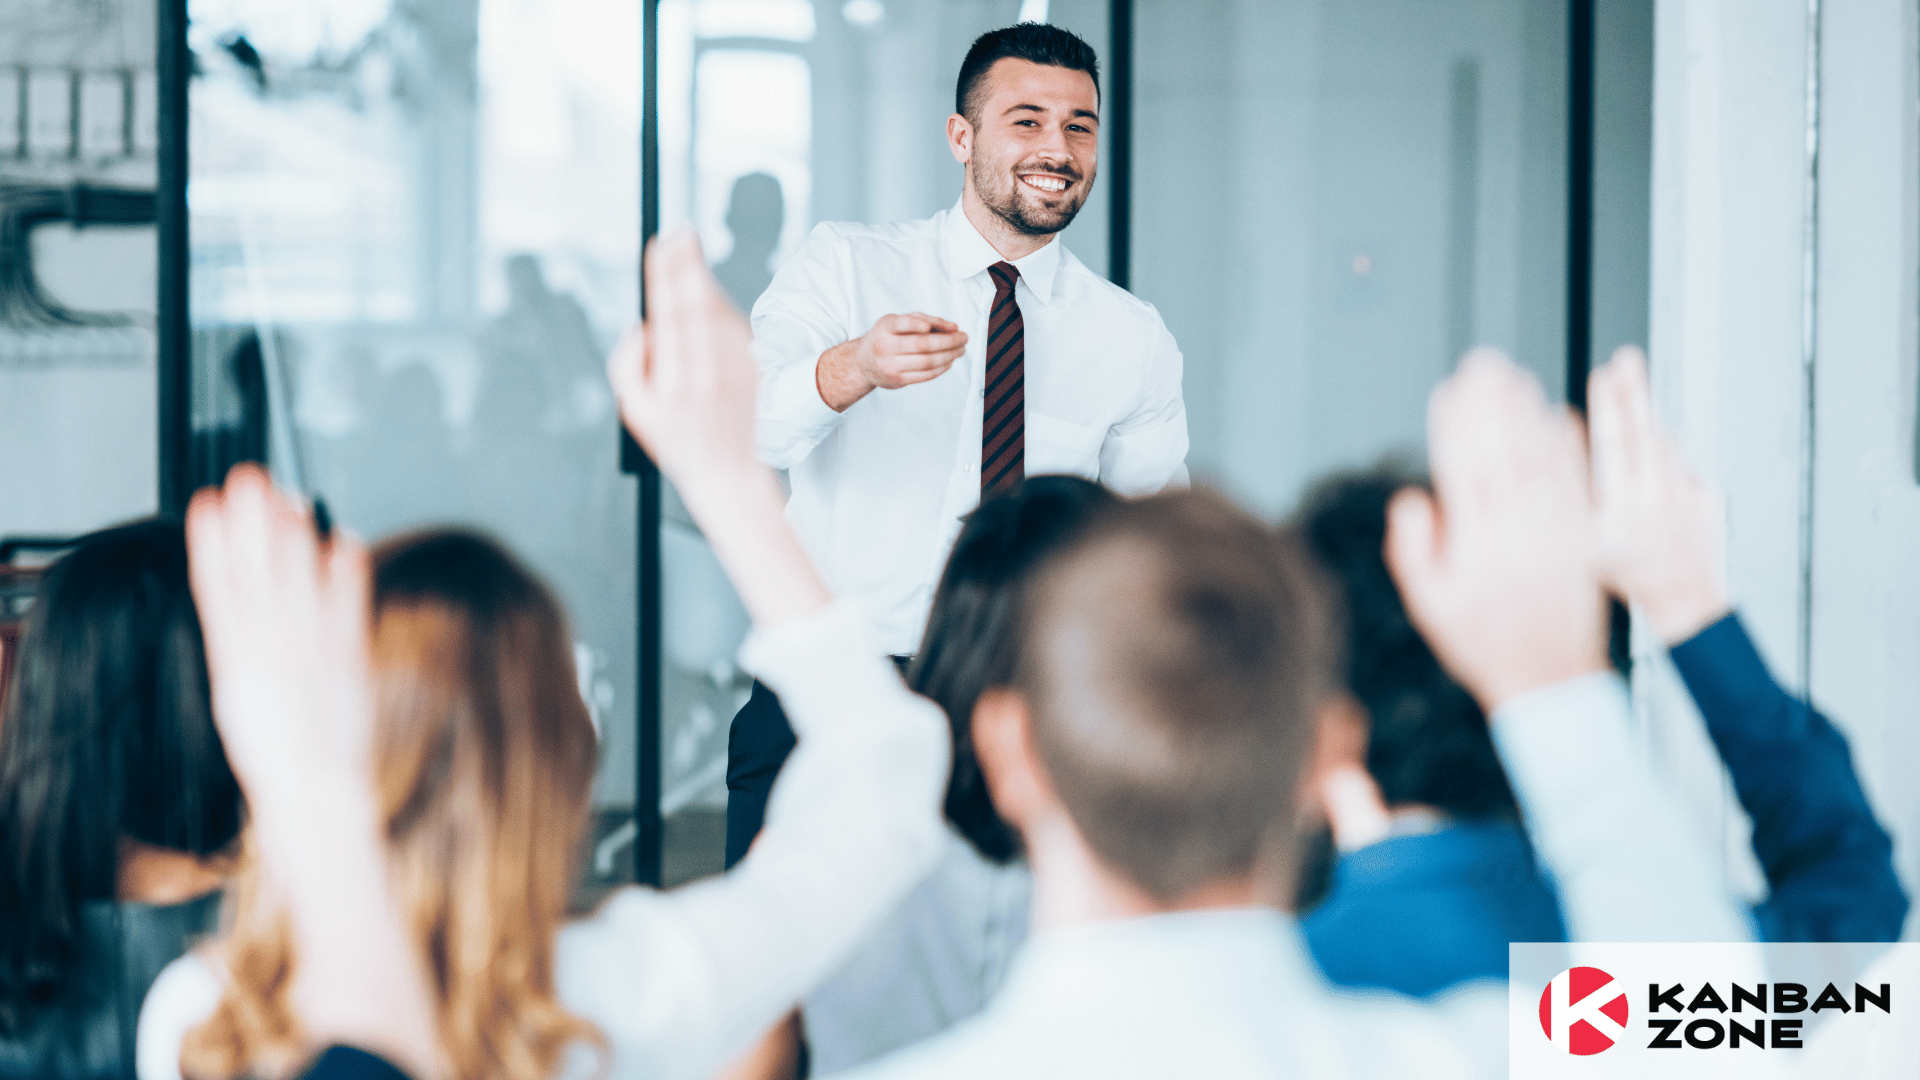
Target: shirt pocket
<point>1060,446</point>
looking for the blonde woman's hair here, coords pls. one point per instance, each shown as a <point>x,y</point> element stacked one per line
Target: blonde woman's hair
<point>485,757</point>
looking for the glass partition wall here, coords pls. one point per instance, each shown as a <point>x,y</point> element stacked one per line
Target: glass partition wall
<point>413,233</point>
<point>1334,199</point>
<point>415,227</point>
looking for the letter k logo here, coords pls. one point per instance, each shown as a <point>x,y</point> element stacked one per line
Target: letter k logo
<point>1583,1010</point>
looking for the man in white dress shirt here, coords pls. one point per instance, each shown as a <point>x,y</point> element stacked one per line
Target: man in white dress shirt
<point>907,369</point>
<point>1152,748</point>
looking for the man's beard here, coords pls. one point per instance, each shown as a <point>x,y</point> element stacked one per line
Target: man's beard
<point>1027,218</point>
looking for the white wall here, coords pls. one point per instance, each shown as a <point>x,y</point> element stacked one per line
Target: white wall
<point>1279,141</point>
<point>1865,646</point>
<point>1728,292</point>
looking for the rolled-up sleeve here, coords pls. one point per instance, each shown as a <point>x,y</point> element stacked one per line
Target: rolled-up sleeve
<point>1147,451</point>
<point>802,314</point>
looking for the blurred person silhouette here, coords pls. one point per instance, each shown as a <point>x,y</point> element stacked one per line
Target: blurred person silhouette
<point>548,333</point>
<point>402,465</point>
<point>756,212</point>
<point>909,370</point>
<point>520,469</point>
<point>1436,875</point>
<point>534,444</point>
<point>940,955</point>
<point>117,808</point>
<point>1161,739</point>
<point>483,752</point>
<point>334,411</point>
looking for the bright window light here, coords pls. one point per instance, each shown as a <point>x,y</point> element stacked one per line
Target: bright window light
<point>864,12</point>
<point>782,20</point>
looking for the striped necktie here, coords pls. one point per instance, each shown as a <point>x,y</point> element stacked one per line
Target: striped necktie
<point>1003,418</point>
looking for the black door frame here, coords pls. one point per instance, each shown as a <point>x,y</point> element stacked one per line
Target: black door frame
<point>174,347</point>
<point>1580,122</point>
<point>650,837</point>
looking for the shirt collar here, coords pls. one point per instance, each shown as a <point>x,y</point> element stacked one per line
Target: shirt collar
<point>968,253</point>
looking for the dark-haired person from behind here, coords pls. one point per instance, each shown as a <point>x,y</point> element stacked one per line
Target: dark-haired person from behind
<point>1431,896</point>
<point>117,808</point>
<point>942,954</point>
<point>909,370</point>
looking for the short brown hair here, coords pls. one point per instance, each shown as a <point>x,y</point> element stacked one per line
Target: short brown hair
<point>1178,653</point>
<point>1037,43</point>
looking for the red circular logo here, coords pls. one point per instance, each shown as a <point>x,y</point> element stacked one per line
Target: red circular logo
<point>1583,1010</point>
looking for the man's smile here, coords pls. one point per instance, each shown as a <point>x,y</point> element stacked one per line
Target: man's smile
<point>1052,185</point>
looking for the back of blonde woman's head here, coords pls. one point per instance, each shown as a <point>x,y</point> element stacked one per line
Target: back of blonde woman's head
<point>485,759</point>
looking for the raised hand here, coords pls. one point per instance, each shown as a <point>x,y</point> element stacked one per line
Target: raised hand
<point>685,381</point>
<point>900,350</point>
<point>685,378</point>
<point>285,619</point>
<point>1497,568</point>
<point>1659,525</point>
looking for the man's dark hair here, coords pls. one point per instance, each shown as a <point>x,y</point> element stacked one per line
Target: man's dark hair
<point>1429,742</point>
<point>1039,43</point>
<point>972,643</point>
<point>107,734</point>
<point>1178,653</point>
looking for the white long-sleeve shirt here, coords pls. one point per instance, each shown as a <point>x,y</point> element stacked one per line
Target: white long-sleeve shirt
<point>879,490</point>
<point>682,982</point>
<point>1234,994</point>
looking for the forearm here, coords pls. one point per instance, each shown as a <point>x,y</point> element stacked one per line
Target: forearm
<point>1828,862</point>
<point>838,378</point>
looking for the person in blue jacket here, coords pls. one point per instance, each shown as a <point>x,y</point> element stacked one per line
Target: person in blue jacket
<point>1429,896</point>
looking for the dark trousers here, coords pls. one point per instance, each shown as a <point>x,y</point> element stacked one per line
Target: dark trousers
<point>757,747</point>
